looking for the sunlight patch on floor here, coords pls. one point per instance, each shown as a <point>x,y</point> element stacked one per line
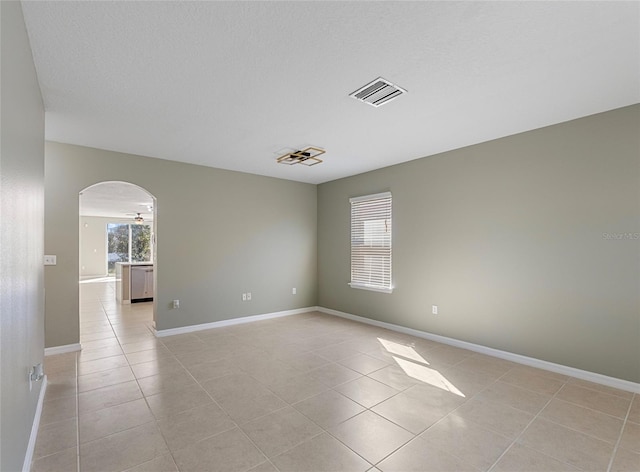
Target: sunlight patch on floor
<point>415,366</point>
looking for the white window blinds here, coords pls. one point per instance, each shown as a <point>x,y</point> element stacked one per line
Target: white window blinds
<point>371,242</point>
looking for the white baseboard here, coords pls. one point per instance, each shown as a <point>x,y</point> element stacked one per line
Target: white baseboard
<point>234,321</point>
<point>51,351</point>
<point>529,361</point>
<point>28,457</point>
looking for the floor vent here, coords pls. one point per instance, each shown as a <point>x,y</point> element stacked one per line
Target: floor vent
<point>378,92</point>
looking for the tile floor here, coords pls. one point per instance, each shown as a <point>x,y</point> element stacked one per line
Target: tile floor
<point>314,393</point>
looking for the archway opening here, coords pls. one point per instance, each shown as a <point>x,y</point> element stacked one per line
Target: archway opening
<point>117,266</point>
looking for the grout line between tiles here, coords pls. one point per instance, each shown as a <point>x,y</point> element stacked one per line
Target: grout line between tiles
<point>624,425</point>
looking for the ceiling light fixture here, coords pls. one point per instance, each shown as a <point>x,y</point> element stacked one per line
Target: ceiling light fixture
<point>307,157</point>
<point>139,219</point>
<point>378,92</point>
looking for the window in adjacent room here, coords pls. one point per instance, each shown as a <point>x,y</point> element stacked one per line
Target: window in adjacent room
<point>127,243</point>
<point>371,242</point>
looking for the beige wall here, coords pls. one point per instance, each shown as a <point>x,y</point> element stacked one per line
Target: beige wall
<point>508,239</point>
<point>93,246</point>
<point>21,236</point>
<point>219,234</point>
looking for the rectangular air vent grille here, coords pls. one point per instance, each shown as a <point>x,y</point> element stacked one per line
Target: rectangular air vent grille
<point>378,92</point>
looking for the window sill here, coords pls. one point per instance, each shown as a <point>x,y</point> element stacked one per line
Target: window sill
<point>372,288</point>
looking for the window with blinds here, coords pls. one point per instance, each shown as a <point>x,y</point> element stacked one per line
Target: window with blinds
<point>371,242</point>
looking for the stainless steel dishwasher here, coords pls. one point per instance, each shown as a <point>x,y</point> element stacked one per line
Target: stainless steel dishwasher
<point>141,284</point>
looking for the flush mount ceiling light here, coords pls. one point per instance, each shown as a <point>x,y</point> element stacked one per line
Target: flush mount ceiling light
<point>378,92</point>
<point>307,157</point>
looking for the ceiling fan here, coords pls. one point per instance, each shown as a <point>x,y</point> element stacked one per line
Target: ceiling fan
<point>137,217</point>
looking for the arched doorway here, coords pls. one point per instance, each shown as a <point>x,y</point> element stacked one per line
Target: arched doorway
<point>117,262</point>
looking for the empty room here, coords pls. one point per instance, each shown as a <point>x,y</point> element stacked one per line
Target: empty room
<point>282,236</point>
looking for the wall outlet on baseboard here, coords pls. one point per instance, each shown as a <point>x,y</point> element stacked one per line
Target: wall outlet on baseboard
<point>434,309</point>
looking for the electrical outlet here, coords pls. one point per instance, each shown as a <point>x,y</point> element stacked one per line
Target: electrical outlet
<point>176,304</point>
<point>248,296</point>
<point>50,260</point>
<point>294,291</point>
<point>434,309</point>
<point>244,297</point>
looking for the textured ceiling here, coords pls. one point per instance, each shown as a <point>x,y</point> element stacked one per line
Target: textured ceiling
<point>116,200</point>
<point>230,84</point>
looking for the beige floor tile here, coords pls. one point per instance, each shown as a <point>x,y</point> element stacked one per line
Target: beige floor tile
<point>497,417</point>
<point>333,374</point>
<point>420,456</point>
<point>108,396</point>
<point>523,459</point>
<point>280,431</point>
<point>625,461</point>
<point>66,461</point>
<point>58,387</point>
<point>531,381</point>
<point>148,355</point>
<point>336,352</point>
<point>516,397</point>
<point>609,404</point>
<point>468,441</point>
<point>250,406</point>
<point>363,364</point>
<point>104,379</point>
<point>487,364</point>
<point>166,382</point>
<point>176,401</point>
<point>100,423</point>
<point>58,409</point>
<point>229,451</point>
<point>234,385</point>
<point>264,467</point>
<point>634,412</point>
<point>159,464</point>
<point>97,336</point>
<point>123,450</point>
<point>300,387</point>
<point>186,428</point>
<point>304,361</point>
<point>165,366</point>
<point>56,437</point>
<point>631,437</point>
<point>566,445</point>
<point>366,391</point>
<point>321,453</point>
<point>212,370</point>
<point>446,355</point>
<point>99,365</point>
<point>102,343</point>
<point>144,345</point>
<point>371,436</point>
<point>328,408</point>
<point>600,388</point>
<point>591,422</point>
<point>418,407</point>
<point>60,363</point>
<point>466,382</point>
<point>394,377</point>
<point>92,354</point>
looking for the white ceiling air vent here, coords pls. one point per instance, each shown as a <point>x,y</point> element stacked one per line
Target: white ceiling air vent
<point>378,92</point>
